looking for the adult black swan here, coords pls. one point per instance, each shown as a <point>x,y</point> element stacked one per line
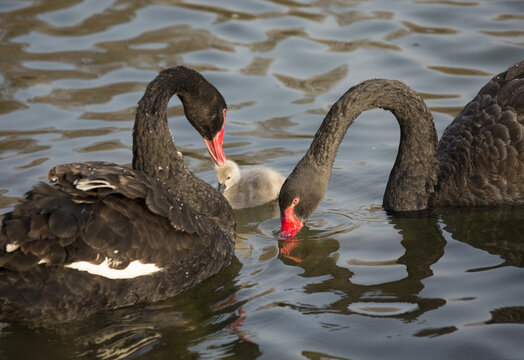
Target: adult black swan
<point>479,160</point>
<point>105,236</point>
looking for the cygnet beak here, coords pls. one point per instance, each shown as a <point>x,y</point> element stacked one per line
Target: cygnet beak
<point>221,187</point>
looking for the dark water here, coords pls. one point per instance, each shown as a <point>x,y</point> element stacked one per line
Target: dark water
<point>360,284</point>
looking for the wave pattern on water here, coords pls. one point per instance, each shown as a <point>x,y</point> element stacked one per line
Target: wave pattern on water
<point>360,283</point>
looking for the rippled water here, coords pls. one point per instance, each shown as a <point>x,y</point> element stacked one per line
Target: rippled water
<point>360,284</point>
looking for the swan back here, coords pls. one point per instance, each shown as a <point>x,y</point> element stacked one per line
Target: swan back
<point>481,153</point>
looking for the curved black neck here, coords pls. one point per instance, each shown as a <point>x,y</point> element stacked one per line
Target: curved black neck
<point>155,153</point>
<point>414,175</point>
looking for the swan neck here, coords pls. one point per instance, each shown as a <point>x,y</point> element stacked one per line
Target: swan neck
<point>414,175</point>
<point>155,153</point>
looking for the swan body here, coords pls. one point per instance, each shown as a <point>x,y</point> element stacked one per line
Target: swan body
<point>103,236</point>
<point>479,160</point>
<point>250,187</point>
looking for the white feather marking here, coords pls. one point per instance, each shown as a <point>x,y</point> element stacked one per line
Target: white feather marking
<point>134,269</point>
<point>11,247</point>
<point>86,185</point>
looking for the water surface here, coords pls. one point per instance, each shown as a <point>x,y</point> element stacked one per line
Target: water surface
<point>360,284</point>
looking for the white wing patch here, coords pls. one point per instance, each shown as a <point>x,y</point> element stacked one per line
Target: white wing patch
<point>86,185</point>
<point>11,247</point>
<point>134,269</point>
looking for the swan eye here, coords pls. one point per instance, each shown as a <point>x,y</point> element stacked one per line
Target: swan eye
<point>229,177</point>
<point>296,201</point>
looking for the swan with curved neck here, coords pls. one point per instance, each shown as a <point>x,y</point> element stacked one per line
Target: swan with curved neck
<point>479,160</point>
<point>105,236</point>
<point>155,153</point>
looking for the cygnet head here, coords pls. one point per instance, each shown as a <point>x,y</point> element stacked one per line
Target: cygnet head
<point>227,175</point>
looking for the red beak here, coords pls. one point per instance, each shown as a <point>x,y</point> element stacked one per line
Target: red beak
<point>290,224</point>
<point>215,148</point>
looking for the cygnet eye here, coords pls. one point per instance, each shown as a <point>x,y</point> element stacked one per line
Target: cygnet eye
<point>296,201</point>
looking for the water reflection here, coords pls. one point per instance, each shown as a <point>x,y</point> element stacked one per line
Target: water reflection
<point>497,231</point>
<point>20,145</point>
<point>271,128</point>
<point>315,85</point>
<point>17,142</point>
<point>130,332</point>
<point>423,245</point>
<point>349,17</point>
<point>359,284</point>
<point>507,315</point>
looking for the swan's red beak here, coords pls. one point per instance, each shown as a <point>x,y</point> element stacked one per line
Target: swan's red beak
<point>290,224</point>
<point>215,148</point>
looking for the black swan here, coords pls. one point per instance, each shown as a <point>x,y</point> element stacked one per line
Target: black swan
<point>248,187</point>
<point>105,236</point>
<point>479,160</point>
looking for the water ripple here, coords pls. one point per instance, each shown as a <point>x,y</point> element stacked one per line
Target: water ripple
<point>358,283</point>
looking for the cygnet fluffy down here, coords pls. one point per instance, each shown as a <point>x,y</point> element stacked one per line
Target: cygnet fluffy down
<point>249,187</point>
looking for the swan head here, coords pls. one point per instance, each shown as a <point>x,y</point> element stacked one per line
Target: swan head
<point>299,196</point>
<point>227,175</point>
<point>205,108</point>
<point>290,222</point>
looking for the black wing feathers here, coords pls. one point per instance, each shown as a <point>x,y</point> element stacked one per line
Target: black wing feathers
<point>481,153</point>
<point>122,216</point>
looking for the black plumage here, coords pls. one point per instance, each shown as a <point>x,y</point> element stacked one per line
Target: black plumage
<point>479,160</point>
<point>158,213</point>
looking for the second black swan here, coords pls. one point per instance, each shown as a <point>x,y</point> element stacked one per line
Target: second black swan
<point>479,160</point>
<point>103,236</point>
